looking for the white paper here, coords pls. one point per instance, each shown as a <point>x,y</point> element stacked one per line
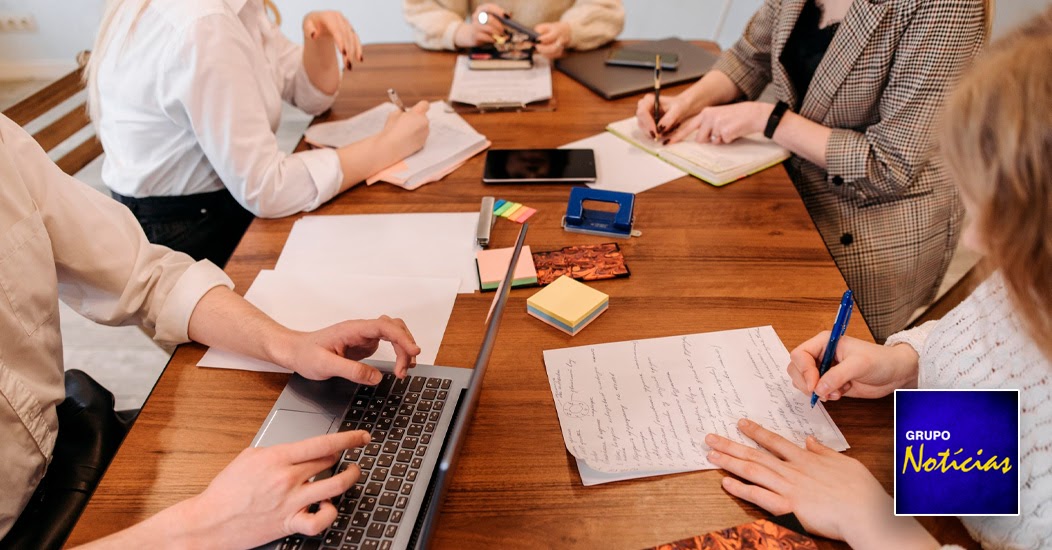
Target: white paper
<point>621,166</point>
<point>519,86</point>
<point>311,301</point>
<point>591,476</point>
<point>646,405</point>
<point>450,141</point>
<point>432,245</point>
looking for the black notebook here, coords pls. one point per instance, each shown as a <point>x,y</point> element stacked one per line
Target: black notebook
<point>612,82</point>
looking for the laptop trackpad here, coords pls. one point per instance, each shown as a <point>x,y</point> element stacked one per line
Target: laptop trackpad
<point>288,426</point>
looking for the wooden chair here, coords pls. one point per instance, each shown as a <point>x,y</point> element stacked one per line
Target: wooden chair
<point>65,126</point>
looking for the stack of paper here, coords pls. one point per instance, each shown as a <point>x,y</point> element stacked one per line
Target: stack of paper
<point>642,408</point>
<point>308,301</point>
<point>567,305</point>
<point>715,164</point>
<point>493,265</point>
<point>339,268</point>
<point>621,166</point>
<point>501,89</point>
<point>450,143</point>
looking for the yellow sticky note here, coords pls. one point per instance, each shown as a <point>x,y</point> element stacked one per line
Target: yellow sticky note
<point>568,301</point>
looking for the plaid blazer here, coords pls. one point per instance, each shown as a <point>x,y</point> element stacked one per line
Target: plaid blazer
<point>885,207</point>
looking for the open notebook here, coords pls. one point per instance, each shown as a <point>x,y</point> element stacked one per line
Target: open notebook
<point>715,164</point>
<point>450,143</point>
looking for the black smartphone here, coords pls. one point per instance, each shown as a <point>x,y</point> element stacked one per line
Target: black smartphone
<point>539,166</point>
<point>627,57</point>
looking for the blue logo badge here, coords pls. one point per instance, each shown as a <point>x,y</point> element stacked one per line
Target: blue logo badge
<point>956,452</point>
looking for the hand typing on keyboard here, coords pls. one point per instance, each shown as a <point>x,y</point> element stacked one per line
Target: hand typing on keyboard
<point>336,350</point>
<point>262,495</point>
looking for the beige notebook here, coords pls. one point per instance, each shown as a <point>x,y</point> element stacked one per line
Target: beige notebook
<point>715,164</point>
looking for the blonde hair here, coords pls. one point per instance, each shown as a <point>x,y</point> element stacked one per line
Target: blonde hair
<point>104,40</point>
<point>997,141</point>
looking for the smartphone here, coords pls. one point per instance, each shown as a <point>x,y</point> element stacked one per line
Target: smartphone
<point>539,166</point>
<point>626,57</point>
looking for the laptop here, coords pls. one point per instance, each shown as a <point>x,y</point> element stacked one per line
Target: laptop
<point>418,426</point>
<point>613,82</point>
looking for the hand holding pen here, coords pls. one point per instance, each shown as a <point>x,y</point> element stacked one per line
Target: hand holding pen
<point>843,315</point>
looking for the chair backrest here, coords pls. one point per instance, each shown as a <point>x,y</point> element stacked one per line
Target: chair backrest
<point>57,117</point>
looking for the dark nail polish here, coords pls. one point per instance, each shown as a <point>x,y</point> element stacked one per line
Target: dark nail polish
<point>661,129</point>
<point>665,142</point>
<point>653,135</point>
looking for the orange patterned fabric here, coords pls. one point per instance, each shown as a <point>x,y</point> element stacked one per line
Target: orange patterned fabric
<point>758,535</point>
<point>584,263</point>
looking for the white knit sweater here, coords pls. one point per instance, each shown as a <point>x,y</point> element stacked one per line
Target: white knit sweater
<point>981,344</point>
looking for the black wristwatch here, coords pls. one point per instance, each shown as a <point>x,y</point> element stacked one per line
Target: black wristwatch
<point>776,117</point>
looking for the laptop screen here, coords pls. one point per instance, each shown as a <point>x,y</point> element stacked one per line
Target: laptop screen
<point>469,401</point>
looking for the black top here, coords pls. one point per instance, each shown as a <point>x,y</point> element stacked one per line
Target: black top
<point>805,48</point>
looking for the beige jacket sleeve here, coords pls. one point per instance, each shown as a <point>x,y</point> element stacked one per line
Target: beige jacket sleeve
<point>434,22</point>
<point>748,62</point>
<point>106,269</point>
<point>594,22</point>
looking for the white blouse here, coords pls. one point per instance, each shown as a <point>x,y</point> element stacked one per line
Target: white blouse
<point>189,102</point>
<point>60,239</point>
<point>981,344</point>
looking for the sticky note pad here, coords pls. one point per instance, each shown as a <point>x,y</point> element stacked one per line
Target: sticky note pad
<point>567,305</point>
<point>493,265</point>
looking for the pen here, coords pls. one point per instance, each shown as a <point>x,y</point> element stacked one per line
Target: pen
<point>393,96</point>
<point>843,315</point>
<point>484,16</point>
<point>657,88</point>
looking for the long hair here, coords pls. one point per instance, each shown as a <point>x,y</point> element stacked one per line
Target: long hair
<point>112,19</point>
<point>996,137</point>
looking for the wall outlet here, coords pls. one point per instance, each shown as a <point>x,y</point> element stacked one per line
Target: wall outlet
<point>12,22</point>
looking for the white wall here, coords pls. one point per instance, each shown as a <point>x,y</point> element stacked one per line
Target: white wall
<point>68,26</point>
<point>65,27</point>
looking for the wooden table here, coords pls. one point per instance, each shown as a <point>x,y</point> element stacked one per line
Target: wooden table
<point>710,259</point>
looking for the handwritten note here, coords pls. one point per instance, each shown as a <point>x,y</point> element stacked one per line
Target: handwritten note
<point>648,404</point>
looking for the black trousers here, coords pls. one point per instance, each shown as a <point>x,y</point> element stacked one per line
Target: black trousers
<point>205,226</point>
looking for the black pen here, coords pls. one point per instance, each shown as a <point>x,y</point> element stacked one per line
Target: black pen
<point>657,88</point>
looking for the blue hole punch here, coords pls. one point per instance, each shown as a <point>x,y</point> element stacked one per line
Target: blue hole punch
<point>618,224</point>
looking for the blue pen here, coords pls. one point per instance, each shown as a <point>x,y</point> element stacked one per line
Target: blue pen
<point>843,315</point>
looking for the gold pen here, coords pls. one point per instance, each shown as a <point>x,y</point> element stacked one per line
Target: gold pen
<point>657,88</point>
<point>393,96</point>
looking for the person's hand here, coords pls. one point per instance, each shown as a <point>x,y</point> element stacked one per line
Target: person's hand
<point>405,132</point>
<point>264,494</point>
<point>554,39</point>
<point>674,108</point>
<point>469,35</point>
<point>833,495</point>
<point>333,26</point>
<point>860,369</point>
<point>336,350</point>
<point>726,123</point>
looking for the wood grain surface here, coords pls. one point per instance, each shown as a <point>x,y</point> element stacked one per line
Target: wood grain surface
<point>709,259</point>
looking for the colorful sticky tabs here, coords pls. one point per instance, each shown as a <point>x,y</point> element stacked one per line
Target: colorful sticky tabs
<point>513,211</point>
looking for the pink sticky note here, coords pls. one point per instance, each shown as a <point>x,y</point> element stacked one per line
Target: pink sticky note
<point>525,214</point>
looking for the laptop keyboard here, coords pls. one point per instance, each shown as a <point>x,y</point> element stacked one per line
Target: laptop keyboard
<point>402,416</point>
